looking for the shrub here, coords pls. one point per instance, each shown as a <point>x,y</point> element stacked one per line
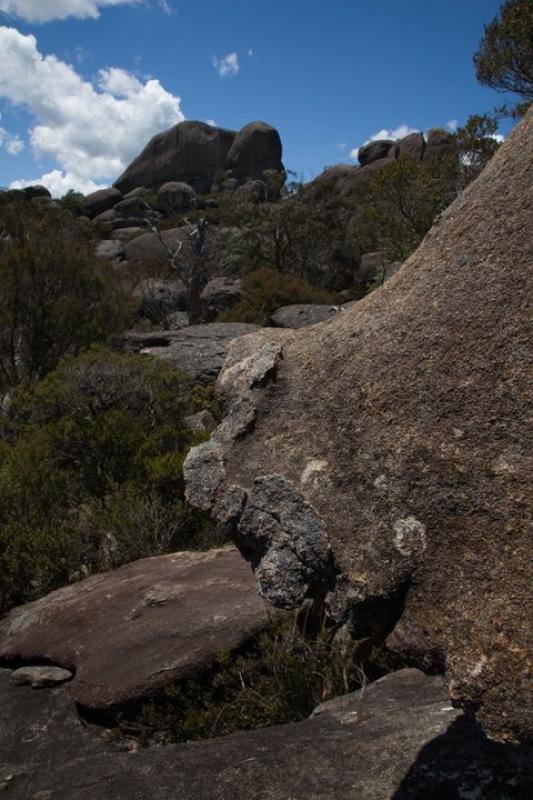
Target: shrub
<point>91,471</point>
<point>55,297</point>
<point>266,289</point>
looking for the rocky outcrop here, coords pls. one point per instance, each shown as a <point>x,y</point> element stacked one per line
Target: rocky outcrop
<point>190,152</point>
<point>300,315</point>
<point>400,429</point>
<point>153,247</point>
<point>398,739</point>
<point>219,294</point>
<point>127,632</point>
<point>202,156</point>
<point>200,350</point>
<point>256,148</point>
<point>100,201</point>
<point>174,197</point>
<point>372,151</point>
<point>159,298</point>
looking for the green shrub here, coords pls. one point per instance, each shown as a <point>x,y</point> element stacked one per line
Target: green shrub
<point>279,677</point>
<point>265,290</point>
<point>91,471</point>
<point>55,297</point>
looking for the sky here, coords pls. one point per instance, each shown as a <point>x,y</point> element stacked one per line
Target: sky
<point>84,84</point>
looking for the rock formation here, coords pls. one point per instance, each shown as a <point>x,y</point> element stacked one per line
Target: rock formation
<point>397,739</point>
<point>195,153</point>
<point>379,460</point>
<point>129,631</point>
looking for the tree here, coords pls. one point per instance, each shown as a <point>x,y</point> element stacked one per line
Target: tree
<point>504,60</point>
<point>55,298</point>
<point>476,144</point>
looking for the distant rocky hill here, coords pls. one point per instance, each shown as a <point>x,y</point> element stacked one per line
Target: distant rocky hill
<point>203,156</point>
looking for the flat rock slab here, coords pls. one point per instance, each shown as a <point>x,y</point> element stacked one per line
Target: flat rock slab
<point>126,632</point>
<point>398,739</point>
<point>200,350</point>
<point>401,432</point>
<point>300,315</point>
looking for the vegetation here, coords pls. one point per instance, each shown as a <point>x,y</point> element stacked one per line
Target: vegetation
<point>504,60</point>
<point>279,677</point>
<point>266,289</point>
<point>55,298</point>
<point>91,471</point>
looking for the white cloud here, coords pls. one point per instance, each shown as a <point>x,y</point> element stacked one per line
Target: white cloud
<point>165,7</point>
<point>226,66</point>
<point>14,145</point>
<point>386,133</point>
<point>91,130</point>
<point>211,122</point>
<point>59,183</point>
<point>46,10</point>
<point>497,137</point>
<point>452,125</point>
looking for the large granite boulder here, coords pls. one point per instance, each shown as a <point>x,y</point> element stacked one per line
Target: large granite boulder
<point>174,196</point>
<point>256,148</point>
<point>398,739</point>
<point>393,444</point>
<point>372,151</point>
<point>219,294</point>
<point>97,202</point>
<point>191,152</point>
<point>149,247</point>
<point>200,350</point>
<point>127,632</point>
<point>411,146</point>
<point>159,298</point>
<point>300,315</point>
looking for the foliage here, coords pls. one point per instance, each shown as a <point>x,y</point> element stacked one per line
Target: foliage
<point>91,471</point>
<point>476,144</point>
<point>402,203</point>
<point>55,297</point>
<point>504,60</point>
<point>265,290</point>
<point>281,676</point>
<point>72,201</point>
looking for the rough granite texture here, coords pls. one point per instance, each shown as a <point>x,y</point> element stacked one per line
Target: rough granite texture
<point>398,739</point>
<point>129,631</point>
<point>405,424</point>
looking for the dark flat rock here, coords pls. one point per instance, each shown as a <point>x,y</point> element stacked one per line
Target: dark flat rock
<point>142,626</point>
<point>398,739</point>
<point>200,350</point>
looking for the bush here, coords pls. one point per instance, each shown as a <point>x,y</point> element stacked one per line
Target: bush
<point>55,297</point>
<point>265,290</point>
<point>91,471</point>
<point>279,677</point>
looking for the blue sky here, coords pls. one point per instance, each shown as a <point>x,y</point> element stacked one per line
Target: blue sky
<point>82,97</point>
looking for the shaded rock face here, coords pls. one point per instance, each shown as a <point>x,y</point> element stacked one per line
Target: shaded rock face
<point>191,152</point>
<point>148,246</point>
<point>200,350</point>
<point>197,154</point>
<point>398,739</point>
<point>300,315</point>
<point>175,196</point>
<point>158,298</point>
<point>140,627</point>
<point>402,424</point>
<point>374,150</point>
<point>100,201</point>
<point>220,294</point>
<point>256,148</point>
<point>412,146</point>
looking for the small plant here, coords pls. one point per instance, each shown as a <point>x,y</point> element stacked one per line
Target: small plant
<point>280,676</point>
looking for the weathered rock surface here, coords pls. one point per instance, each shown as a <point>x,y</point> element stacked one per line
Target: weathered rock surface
<point>256,148</point>
<point>158,298</point>
<point>109,248</point>
<point>412,146</point>
<point>398,739</point>
<point>220,294</point>
<point>374,150</point>
<point>404,425</point>
<point>175,196</point>
<point>148,247</point>
<point>100,201</point>
<point>300,315</point>
<point>37,192</point>
<point>200,349</point>
<point>191,152</point>
<point>40,677</point>
<point>129,631</point>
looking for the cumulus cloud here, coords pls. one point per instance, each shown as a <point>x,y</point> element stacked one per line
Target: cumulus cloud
<point>228,66</point>
<point>47,10</point>
<point>13,144</point>
<point>92,130</point>
<point>59,183</point>
<point>452,125</point>
<point>386,133</point>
